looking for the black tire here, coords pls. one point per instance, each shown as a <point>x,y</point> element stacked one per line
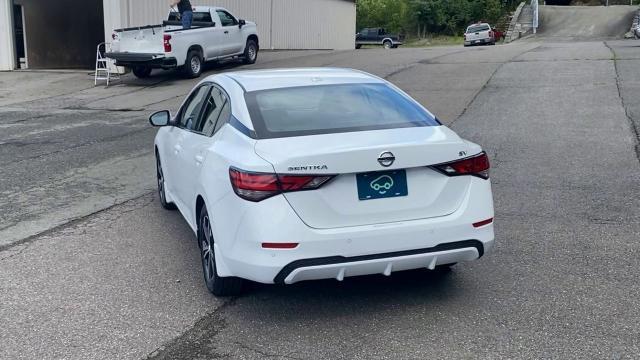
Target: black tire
<point>141,72</point>
<point>358,46</point>
<point>387,44</point>
<point>218,286</point>
<point>193,65</point>
<point>250,52</point>
<point>161,193</point>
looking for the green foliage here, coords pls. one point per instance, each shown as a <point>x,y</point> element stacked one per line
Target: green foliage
<point>420,17</point>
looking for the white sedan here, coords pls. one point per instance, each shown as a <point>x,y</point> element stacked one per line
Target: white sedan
<point>303,174</point>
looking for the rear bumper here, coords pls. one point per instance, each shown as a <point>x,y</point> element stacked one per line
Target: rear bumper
<point>346,251</point>
<point>143,59</point>
<point>339,267</point>
<point>479,41</point>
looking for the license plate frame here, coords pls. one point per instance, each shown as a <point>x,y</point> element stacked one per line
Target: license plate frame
<point>382,184</point>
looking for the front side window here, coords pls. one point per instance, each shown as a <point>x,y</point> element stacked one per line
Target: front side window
<point>329,109</point>
<point>191,110</point>
<point>226,19</point>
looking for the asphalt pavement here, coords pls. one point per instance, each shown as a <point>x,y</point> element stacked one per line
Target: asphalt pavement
<point>92,267</point>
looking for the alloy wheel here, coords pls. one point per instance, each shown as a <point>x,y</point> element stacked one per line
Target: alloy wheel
<point>160,177</point>
<point>208,254</point>
<point>195,64</point>
<point>252,52</point>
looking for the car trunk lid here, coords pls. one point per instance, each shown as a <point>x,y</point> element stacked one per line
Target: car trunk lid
<point>354,158</point>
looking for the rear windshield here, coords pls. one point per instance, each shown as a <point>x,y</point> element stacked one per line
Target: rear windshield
<point>478,28</point>
<point>197,16</point>
<point>330,109</point>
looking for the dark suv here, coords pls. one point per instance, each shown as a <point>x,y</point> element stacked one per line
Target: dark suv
<point>377,36</point>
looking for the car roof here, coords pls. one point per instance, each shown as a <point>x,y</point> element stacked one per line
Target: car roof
<point>257,80</point>
<point>478,24</point>
<point>208,8</point>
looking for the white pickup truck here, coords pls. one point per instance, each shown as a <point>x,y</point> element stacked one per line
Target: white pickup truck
<point>215,34</point>
<point>481,33</point>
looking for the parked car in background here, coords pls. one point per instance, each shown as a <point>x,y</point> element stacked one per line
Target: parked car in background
<point>216,34</point>
<point>377,36</point>
<point>499,35</point>
<point>290,175</point>
<point>479,34</point>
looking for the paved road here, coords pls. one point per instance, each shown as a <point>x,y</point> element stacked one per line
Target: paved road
<point>558,119</point>
<point>571,23</point>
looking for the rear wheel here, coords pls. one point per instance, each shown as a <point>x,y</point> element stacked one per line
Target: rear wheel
<point>219,286</point>
<point>250,52</point>
<point>358,46</point>
<point>193,65</point>
<point>141,72</point>
<point>387,44</point>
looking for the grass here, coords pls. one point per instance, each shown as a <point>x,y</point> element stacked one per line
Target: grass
<point>435,40</point>
<point>431,40</point>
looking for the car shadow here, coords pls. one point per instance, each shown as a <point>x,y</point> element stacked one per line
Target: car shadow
<point>427,285</point>
<point>161,77</point>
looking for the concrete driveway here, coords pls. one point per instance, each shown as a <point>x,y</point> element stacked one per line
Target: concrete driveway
<point>92,267</point>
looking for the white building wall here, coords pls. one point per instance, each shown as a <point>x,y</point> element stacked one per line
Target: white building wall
<point>282,24</point>
<point>314,24</point>
<point>7,40</point>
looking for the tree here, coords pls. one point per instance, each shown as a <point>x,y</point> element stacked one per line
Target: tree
<point>417,17</point>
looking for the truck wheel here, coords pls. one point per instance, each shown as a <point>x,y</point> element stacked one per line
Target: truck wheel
<point>193,65</point>
<point>141,72</point>
<point>387,44</point>
<point>250,52</point>
<point>358,46</point>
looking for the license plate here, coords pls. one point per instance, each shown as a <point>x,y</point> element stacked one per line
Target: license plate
<point>382,184</point>
<point>476,41</point>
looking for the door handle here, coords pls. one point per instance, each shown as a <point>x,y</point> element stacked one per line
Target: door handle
<point>177,148</point>
<point>199,159</point>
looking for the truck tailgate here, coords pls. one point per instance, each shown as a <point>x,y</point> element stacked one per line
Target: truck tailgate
<point>146,40</point>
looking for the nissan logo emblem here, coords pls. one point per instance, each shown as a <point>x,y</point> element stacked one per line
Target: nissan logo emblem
<point>386,159</point>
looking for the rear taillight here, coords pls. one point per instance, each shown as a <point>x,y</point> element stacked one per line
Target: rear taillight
<point>476,165</point>
<point>114,36</point>
<point>260,186</point>
<point>167,43</point>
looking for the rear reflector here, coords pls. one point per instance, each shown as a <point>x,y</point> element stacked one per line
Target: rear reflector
<point>477,165</point>
<point>483,223</point>
<point>260,186</point>
<point>279,245</point>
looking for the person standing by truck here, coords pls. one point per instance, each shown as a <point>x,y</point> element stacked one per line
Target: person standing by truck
<point>186,12</point>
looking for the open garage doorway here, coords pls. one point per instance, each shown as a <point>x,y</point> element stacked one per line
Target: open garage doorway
<point>61,34</point>
<point>18,31</point>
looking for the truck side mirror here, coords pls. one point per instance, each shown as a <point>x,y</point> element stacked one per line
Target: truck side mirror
<point>242,23</point>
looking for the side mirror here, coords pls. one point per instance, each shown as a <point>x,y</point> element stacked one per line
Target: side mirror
<point>242,23</point>
<point>160,118</point>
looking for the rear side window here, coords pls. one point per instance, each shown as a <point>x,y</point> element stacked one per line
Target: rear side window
<point>197,17</point>
<point>330,109</point>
